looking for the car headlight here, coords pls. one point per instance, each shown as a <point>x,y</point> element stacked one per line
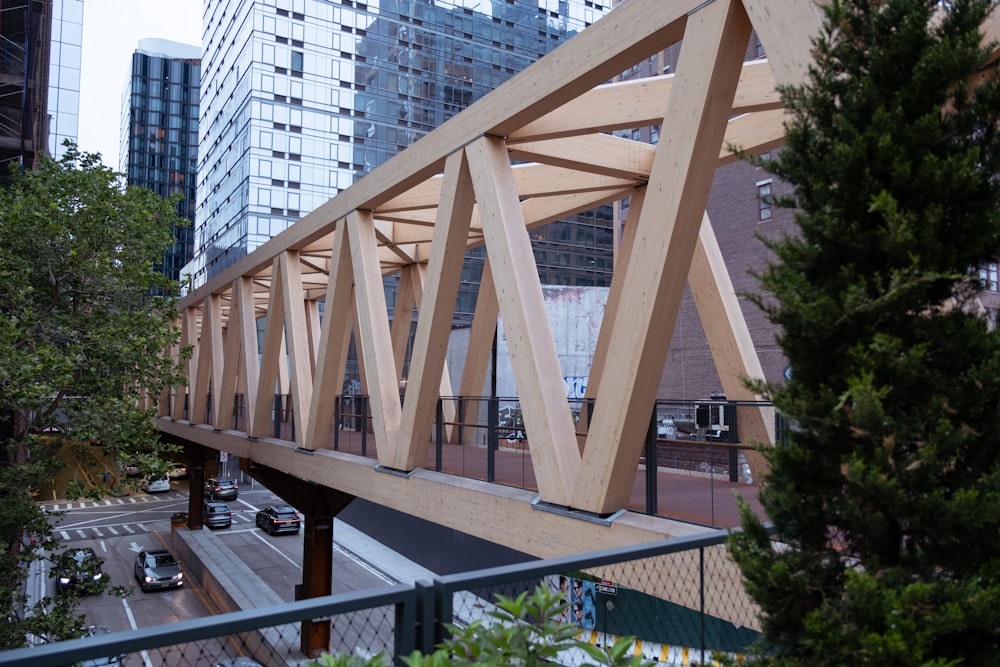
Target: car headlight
<point>64,580</point>
<point>179,575</point>
<point>97,577</point>
<point>149,579</point>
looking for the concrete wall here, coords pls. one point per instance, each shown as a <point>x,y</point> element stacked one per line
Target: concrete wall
<point>575,318</point>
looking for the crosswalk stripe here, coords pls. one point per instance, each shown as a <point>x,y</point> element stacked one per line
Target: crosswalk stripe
<point>128,529</point>
<point>112,529</point>
<point>64,534</point>
<point>81,533</point>
<point>98,532</point>
<point>143,526</point>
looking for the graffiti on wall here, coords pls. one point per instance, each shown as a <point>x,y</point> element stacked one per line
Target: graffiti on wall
<point>576,385</point>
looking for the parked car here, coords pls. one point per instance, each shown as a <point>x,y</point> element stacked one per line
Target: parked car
<point>96,631</point>
<point>157,569</point>
<point>131,469</point>
<point>242,661</point>
<point>80,569</point>
<point>221,488</point>
<point>215,514</point>
<point>276,519</point>
<point>158,485</point>
<point>177,470</point>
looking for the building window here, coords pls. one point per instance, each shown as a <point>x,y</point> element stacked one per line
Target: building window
<point>989,276</point>
<point>764,200</point>
<point>296,61</point>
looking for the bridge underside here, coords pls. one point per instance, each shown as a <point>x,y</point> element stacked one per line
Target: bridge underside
<point>540,148</point>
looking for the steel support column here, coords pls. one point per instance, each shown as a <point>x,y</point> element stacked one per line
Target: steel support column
<point>317,580</point>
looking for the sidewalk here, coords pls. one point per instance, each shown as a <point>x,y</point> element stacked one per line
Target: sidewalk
<point>232,585</point>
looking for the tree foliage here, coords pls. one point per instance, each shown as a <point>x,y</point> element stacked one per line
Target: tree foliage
<point>888,493</point>
<point>524,630</point>
<point>84,322</point>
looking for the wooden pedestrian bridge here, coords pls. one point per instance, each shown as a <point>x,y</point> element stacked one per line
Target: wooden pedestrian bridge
<point>545,145</point>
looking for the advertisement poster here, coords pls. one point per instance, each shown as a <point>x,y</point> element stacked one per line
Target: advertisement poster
<point>580,597</point>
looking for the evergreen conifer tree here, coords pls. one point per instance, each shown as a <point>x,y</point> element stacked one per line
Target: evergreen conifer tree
<point>887,496</point>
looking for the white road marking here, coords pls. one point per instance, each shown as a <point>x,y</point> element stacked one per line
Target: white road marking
<point>131,621</point>
<point>276,550</point>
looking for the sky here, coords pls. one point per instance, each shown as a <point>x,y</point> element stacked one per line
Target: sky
<point>111,33</point>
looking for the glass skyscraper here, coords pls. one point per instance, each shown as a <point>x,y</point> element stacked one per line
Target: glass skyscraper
<point>159,134</point>
<point>64,74</point>
<point>25,34</point>
<point>300,99</point>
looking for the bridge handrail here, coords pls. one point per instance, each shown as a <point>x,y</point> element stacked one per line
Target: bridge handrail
<point>420,608</point>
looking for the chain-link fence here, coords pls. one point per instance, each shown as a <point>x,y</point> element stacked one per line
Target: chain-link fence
<point>682,600</point>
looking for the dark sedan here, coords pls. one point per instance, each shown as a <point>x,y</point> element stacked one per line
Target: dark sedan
<point>80,569</point>
<point>221,488</point>
<point>275,519</point>
<point>157,569</point>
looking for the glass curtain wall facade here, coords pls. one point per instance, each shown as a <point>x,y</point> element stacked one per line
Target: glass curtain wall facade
<point>25,32</point>
<point>159,142</point>
<point>420,63</point>
<point>64,74</point>
<point>301,98</point>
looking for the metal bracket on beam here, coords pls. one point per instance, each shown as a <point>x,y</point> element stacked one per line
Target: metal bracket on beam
<point>562,510</point>
<point>302,450</point>
<point>394,471</point>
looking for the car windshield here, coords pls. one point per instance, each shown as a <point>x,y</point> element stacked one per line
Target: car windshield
<point>79,556</point>
<point>162,560</point>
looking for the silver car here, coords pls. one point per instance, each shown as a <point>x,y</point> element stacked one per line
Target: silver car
<point>157,569</point>
<point>216,514</point>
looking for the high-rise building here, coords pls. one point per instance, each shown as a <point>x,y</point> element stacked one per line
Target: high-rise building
<point>64,74</point>
<point>24,71</point>
<point>159,133</point>
<point>301,99</point>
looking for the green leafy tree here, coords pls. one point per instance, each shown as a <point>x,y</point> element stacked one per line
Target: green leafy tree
<point>84,322</point>
<point>520,631</point>
<point>887,494</point>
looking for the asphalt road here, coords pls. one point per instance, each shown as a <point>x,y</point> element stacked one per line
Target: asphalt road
<point>118,528</point>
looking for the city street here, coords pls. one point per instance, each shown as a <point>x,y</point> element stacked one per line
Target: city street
<point>118,528</point>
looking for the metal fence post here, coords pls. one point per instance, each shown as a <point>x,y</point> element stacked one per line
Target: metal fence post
<point>336,422</point>
<point>364,426</point>
<point>277,416</point>
<point>439,434</point>
<point>701,577</point>
<point>414,623</point>
<point>492,442</point>
<point>652,463</point>
<point>444,613</point>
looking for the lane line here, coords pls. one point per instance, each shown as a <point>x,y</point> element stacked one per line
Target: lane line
<point>276,550</point>
<point>131,621</point>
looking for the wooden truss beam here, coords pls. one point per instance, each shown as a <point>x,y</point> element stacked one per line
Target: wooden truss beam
<point>554,141</point>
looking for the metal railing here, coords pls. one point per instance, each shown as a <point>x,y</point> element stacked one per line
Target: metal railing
<point>682,598</point>
<point>699,457</point>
